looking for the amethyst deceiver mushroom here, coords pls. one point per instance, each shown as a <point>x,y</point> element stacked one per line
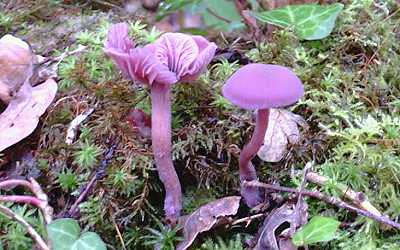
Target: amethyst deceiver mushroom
<point>172,58</point>
<point>260,87</point>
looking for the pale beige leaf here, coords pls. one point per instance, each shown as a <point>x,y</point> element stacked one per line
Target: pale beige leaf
<point>22,114</point>
<point>282,129</point>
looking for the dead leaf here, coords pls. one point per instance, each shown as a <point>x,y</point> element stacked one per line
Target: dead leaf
<point>282,129</point>
<point>47,67</point>
<point>22,113</point>
<point>16,66</point>
<point>204,218</point>
<point>268,237</point>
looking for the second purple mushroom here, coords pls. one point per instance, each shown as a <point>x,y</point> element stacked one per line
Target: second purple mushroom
<point>260,87</point>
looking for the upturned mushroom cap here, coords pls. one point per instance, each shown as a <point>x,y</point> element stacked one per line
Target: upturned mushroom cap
<point>262,86</point>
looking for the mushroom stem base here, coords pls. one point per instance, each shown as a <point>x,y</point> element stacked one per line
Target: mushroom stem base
<point>253,195</point>
<point>161,143</point>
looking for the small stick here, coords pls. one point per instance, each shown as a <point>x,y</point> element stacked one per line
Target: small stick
<point>40,199</point>
<point>74,125</point>
<point>13,183</point>
<point>32,232</point>
<point>297,221</point>
<point>358,198</point>
<point>328,199</point>
<point>83,195</point>
<point>100,173</point>
<point>118,233</point>
<point>22,199</point>
<point>247,219</point>
<point>47,210</point>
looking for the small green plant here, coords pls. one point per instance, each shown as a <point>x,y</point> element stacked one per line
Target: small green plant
<point>68,180</point>
<point>232,244</point>
<point>66,71</point>
<point>163,238</point>
<point>87,154</point>
<point>16,237</point>
<point>88,38</point>
<point>223,69</point>
<point>6,21</point>
<point>221,103</point>
<point>86,134</point>
<point>122,181</point>
<point>92,211</point>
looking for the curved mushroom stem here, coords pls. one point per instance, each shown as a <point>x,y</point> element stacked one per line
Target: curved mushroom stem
<point>161,143</point>
<point>252,195</point>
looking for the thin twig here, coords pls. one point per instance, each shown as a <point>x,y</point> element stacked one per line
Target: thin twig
<point>358,198</point>
<point>82,195</point>
<point>22,199</point>
<point>118,233</point>
<point>107,4</point>
<point>297,222</point>
<point>328,199</point>
<point>32,232</point>
<point>47,210</point>
<point>99,174</point>
<point>40,199</point>
<point>247,219</point>
<point>13,183</point>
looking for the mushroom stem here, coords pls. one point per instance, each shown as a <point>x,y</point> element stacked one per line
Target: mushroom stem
<point>247,171</point>
<point>161,143</point>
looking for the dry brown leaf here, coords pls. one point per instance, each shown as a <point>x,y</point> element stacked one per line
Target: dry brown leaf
<point>269,238</point>
<point>22,113</point>
<point>16,65</point>
<point>204,218</point>
<point>282,129</point>
<point>47,67</point>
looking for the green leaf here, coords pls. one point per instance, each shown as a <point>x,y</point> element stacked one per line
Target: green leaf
<point>222,14</point>
<point>318,229</point>
<point>168,7</point>
<point>64,235</point>
<point>89,241</point>
<point>309,21</point>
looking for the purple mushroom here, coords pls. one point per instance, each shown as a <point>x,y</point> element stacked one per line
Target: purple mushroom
<point>260,87</point>
<point>172,58</point>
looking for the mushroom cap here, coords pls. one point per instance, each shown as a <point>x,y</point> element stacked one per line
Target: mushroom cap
<point>262,86</point>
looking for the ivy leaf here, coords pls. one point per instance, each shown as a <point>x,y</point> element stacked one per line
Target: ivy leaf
<point>222,15</point>
<point>64,234</point>
<point>309,21</point>
<point>89,241</point>
<point>168,7</point>
<point>318,229</point>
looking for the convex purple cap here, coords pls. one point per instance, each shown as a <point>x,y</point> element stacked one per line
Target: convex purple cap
<point>263,86</point>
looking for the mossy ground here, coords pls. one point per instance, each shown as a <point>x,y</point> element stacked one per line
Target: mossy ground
<point>352,105</point>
